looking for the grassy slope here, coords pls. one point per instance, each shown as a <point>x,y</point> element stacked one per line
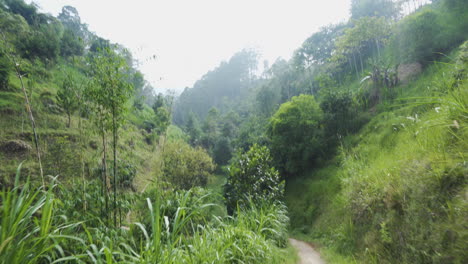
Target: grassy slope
<point>60,145</point>
<point>397,193</point>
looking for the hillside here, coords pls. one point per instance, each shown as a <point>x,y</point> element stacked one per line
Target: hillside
<point>356,145</point>
<point>366,125</point>
<point>92,170</point>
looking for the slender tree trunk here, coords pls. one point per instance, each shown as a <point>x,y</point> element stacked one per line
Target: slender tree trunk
<point>85,205</point>
<point>69,119</point>
<point>355,66</point>
<point>362,66</point>
<point>28,104</point>
<point>378,48</point>
<point>105,179</point>
<point>33,123</point>
<point>115,164</point>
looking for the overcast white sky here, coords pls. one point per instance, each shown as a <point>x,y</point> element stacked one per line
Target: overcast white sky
<point>192,37</point>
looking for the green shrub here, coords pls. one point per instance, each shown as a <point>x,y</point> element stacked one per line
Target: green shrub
<point>5,69</point>
<point>28,229</point>
<point>186,167</point>
<point>418,37</point>
<point>252,176</point>
<point>296,134</point>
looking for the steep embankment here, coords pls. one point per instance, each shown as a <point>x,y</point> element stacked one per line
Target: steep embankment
<point>396,191</point>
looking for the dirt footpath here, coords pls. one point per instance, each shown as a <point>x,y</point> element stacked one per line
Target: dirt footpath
<point>307,255</point>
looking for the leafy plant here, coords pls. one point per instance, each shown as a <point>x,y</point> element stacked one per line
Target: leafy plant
<point>28,233</point>
<point>296,134</point>
<point>186,167</point>
<point>67,97</point>
<point>252,177</point>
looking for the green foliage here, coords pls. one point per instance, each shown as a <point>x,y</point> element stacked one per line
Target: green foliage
<point>5,69</point>
<point>126,172</point>
<point>341,116</point>
<point>186,167</point>
<point>161,119</point>
<point>174,133</point>
<point>424,35</point>
<point>177,227</point>
<point>193,129</point>
<point>296,134</point>
<point>397,193</point>
<point>367,37</point>
<point>319,47</point>
<point>267,100</point>
<point>242,239</point>
<point>222,151</point>
<point>418,37</point>
<point>61,158</point>
<point>28,11</point>
<point>226,85</point>
<point>43,43</point>
<point>71,44</point>
<point>28,229</point>
<point>67,97</point>
<point>99,44</point>
<point>109,90</point>
<point>252,178</point>
<point>377,8</point>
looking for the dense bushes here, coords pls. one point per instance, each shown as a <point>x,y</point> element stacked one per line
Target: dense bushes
<point>436,29</point>
<point>252,178</point>
<point>397,195</point>
<point>29,232</point>
<point>341,116</point>
<point>186,167</point>
<point>296,134</point>
<point>71,44</point>
<point>419,37</point>
<point>4,72</point>
<point>175,230</point>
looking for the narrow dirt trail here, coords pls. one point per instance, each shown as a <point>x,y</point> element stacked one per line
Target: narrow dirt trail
<point>307,255</point>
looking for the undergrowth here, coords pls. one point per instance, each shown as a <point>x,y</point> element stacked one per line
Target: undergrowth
<point>398,193</point>
<point>52,226</point>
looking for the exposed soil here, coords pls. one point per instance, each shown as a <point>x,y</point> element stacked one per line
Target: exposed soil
<point>307,254</point>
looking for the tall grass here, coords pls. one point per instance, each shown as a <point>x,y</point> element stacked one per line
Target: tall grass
<point>27,232</point>
<point>398,195</point>
<point>177,230</point>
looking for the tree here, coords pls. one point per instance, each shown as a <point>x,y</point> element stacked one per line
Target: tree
<point>210,129</point>
<point>222,151</point>
<point>252,176</point>
<point>99,44</point>
<point>419,37</point>
<point>229,82</point>
<point>71,44</point>
<point>67,97</point>
<point>341,116</point>
<point>296,134</point>
<point>9,50</point>
<point>43,41</point>
<point>162,113</point>
<point>319,47</point>
<point>193,130</point>
<point>28,11</point>
<point>186,167</point>
<point>267,100</point>
<point>375,8</point>
<point>110,92</point>
<point>5,69</point>
<point>365,38</point>
<point>71,21</point>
